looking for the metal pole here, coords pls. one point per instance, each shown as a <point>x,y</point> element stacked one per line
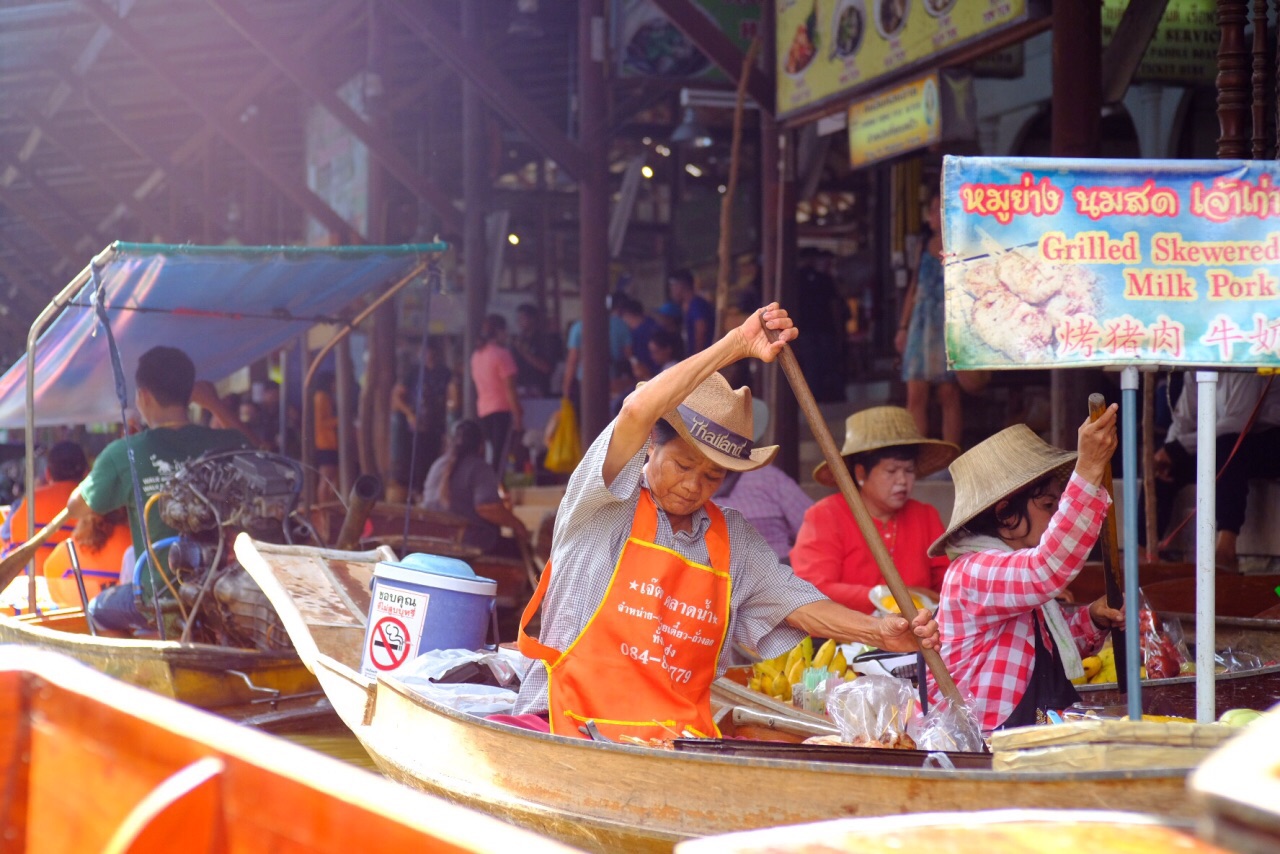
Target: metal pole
<point>1129,452</point>
<point>1206,534</point>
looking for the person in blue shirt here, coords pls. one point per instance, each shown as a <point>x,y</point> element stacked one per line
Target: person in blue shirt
<point>642,328</point>
<point>619,348</point>
<point>699,315</point>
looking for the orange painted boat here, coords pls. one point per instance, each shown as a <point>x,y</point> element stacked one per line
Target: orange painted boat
<point>93,764</point>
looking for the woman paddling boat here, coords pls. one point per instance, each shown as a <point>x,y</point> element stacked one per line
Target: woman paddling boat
<point>1023,523</point>
<point>649,581</point>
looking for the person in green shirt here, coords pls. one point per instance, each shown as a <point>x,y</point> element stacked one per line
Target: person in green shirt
<point>165,379</point>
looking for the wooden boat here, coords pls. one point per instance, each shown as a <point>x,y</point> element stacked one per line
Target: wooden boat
<point>270,691</point>
<point>1027,831</point>
<point>93,764</point>
<point>607,796</point>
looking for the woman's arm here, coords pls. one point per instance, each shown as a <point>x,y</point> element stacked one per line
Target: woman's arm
<point>644,406</point>
<point>499,514</point>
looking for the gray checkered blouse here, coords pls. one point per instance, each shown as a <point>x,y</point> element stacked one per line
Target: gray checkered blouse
<point>591,526</point>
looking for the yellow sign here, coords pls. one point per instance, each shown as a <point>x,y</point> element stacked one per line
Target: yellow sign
<point>829,47</point>
<point>1184,48</point>
<point>901,119</point>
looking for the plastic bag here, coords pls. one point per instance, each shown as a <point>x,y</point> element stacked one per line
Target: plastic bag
<point>564,448</point>
<point>874,711</point>
<point>950,728</point>
<point>1161,655</point>
<point>425,674</point>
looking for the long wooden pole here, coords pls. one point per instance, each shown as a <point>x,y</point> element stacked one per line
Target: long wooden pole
<point>853,498</point>
<point>1112,571</point>
<point>17,559</point>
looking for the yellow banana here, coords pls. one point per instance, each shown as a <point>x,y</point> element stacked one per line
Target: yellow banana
<point>766,668</point>
<point>796,673</point>
<point>1092,665</point>
<point>806,651</point>
<point>824,655</point>
<point>780,686</point>
<point>838,663</point>
<point>792,657</point>
<point>754,683</point>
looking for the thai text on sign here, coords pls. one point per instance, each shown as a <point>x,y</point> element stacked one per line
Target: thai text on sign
<point>1111,262</point>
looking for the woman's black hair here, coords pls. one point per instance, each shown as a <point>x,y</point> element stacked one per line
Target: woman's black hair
<point>467,441</point>
<point>1014,516</point>
<point>664,432</point>
<point>870,459</point>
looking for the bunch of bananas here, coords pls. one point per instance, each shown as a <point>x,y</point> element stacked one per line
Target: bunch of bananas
<point>1102,668</point>
<point>776,676</point>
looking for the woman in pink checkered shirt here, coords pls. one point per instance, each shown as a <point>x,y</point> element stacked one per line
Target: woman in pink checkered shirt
<point>1023,523</point>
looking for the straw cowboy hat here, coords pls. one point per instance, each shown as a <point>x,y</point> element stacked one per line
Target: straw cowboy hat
<point>996,468</point>
<point>888,427</point>
<point>718,421</point>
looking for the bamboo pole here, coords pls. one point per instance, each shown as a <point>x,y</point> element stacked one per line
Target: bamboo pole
<point>853,498</point>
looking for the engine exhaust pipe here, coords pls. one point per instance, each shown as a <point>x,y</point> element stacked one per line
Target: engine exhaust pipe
<point>360,503</point>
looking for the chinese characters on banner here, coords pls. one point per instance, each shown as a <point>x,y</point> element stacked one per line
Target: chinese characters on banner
<point>1053,263</point>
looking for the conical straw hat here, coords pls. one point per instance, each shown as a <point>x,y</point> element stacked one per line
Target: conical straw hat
<point>996,468</point>
<point>889,427</point>
<point>717,420</point>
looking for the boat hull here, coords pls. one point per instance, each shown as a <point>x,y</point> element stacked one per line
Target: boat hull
<point>616,797</point>
<point>274,691</point>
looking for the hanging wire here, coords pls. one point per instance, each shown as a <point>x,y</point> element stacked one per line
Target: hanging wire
<point>435,282</point>
<point>122,395</point>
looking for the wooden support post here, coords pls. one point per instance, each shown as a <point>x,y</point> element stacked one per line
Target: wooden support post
<point>1233,80</point>
<point>1262,80</point>
<point>593,218</point>
<point>1077,116</point>
<point>473,191</point>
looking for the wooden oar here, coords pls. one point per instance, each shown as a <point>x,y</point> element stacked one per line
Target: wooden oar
<point>1112,569</point>
<point>853,498</point>
<point>13,563</point>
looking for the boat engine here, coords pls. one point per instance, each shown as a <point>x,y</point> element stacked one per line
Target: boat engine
<point>209,501</point>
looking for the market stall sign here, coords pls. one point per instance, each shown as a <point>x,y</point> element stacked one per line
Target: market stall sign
<point>1184,49</point>
<point>1111,262</point>
<point>912,115</point>
<point>649,45</point>
<point>829,48</point>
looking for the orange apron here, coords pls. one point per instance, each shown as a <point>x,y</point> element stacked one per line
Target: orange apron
<point>644,664</point>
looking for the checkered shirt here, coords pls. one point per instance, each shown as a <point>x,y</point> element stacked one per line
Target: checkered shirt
<point>592,525</point>
<point>773,503</point>
<point>988,598</point>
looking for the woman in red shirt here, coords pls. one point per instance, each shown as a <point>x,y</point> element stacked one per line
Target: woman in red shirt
<point>885,454</point>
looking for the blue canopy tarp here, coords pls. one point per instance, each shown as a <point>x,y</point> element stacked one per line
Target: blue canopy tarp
<point>225,306</point>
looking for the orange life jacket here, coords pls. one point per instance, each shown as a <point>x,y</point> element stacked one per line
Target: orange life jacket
<point>51,499</point>
<point>644,664</point>
<point>100,568</point>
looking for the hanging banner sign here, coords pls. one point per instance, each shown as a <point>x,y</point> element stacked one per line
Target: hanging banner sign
<point>1184,49</point>
<point>828,48</point>
<point>912,115</point>
<point>1054,263</point>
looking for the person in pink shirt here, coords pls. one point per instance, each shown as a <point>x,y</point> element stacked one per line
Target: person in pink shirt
<point>493,370</point>
<point>885,453</point>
